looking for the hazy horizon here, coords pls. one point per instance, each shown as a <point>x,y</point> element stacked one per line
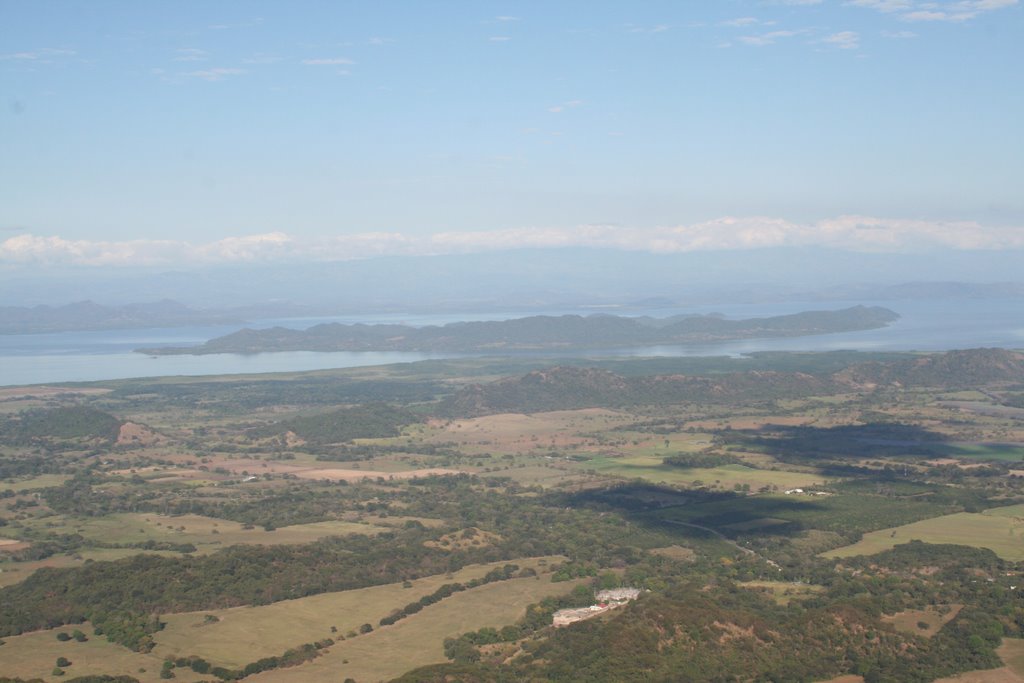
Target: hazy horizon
<point>195,136</point>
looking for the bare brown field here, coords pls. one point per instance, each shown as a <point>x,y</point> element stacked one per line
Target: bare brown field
<point>850,678</point>
<point>517,433</point>
<point>907,621</point>
<point>390,468</point>
<point>10,545</point>
<point>245,634</point>
<point>358,475</point>
<point>132,433</point>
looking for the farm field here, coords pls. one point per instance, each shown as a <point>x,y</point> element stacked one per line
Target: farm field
<point>998,529</point>
<point>41,482</point>
<point>244,634</point>
<point>783,592</point>
<point>206,533</point>
<point>417,640</point>
<point>650,468</point>
<point>909,621</point>
<point>32,655</point>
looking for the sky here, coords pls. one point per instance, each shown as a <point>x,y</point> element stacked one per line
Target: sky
<point>186,132</point>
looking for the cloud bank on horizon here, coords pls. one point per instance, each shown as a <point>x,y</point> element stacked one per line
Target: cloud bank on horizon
<point>196,132</point>
<point>850,233</point>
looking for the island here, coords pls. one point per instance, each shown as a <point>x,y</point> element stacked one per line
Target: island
<point>538,333</point>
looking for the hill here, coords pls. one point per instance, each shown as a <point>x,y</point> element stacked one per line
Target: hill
<point>962,368</point>
<point>570,387</point>
<point>564,388</point>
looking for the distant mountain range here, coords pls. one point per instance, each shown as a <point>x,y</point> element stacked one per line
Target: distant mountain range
<point>86,315</point>
<point>535,280</point>
<point>567,332</point>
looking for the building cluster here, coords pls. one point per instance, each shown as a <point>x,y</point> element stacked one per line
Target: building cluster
<point>606,600</point>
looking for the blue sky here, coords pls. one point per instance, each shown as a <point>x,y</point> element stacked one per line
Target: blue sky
<point>146,132</point>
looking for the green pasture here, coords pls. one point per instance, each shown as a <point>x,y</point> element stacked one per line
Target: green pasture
<point>1001,530</point>
<point>1006,452</point>
<point>783,592</point>
<point>43,481</point>
<point>651,468</point>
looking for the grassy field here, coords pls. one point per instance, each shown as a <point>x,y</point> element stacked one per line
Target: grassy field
<point>208,534</point>
<point>650,468</point>
<point>41,482</point>
<point>935,618</point>
<point>1006,452</point>
<point>417,640</point>
<point>33,655</point>
<point>783,592</point>
<point>998,529</point>
<point>245,634</point>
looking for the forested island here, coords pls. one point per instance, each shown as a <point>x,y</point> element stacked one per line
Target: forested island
<point>567,332</point>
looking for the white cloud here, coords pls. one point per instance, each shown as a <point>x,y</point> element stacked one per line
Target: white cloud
<point>215,74</point>
<point>328,61</point>
<point>45,55</point>
<point>741,21</point>
<point>950,11</point>
<point>852,233</point>
<point>769,38</point>
<point>844,40</point>
<point>190,54</point>
<point>499,39</point>
<point>930,15</point>
<point>657,28</point>
<point>261,58</point>
<point>559,108</point>
<point>883,5</point>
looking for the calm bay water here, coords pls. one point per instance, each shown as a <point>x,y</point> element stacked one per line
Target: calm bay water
<point>86,356</point>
